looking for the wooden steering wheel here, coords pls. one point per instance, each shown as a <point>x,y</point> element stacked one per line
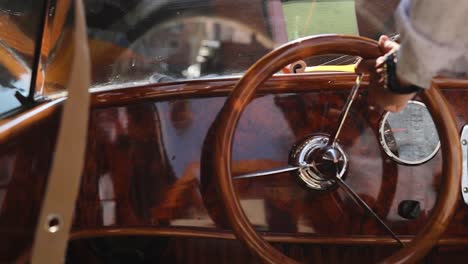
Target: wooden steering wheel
<point>243,93</point>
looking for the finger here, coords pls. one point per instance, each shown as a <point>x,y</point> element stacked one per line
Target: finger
<point>390,46</point>
<point>382,39</point>
<point>387,45</point>
<point>379,61</point>
<point>381,43</point>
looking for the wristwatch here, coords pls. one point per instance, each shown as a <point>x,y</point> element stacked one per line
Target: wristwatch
<point>390,77</point>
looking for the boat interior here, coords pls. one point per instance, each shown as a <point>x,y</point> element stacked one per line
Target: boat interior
<point>217,131</point>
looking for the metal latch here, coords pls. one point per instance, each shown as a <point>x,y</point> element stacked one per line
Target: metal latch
<point>464,146</point>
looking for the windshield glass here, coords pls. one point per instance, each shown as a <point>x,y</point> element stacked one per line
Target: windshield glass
<point>147,41</point>
<point>19,28</point>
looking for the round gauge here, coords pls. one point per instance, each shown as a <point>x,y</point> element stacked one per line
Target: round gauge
<point>409,137</point>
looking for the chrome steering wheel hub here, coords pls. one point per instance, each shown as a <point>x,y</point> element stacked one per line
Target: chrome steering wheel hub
<point>319,162</point>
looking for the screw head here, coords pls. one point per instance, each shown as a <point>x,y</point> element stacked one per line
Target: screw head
<point>464,142</point>
<point>465,189</point>
<point>53,223</point>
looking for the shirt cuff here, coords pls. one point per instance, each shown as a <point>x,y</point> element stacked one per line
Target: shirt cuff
<point>420,58</point>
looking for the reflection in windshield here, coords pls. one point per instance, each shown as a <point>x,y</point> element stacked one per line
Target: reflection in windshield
<point>145,41</point>
<point>197,47</point>
<point>168,40</point>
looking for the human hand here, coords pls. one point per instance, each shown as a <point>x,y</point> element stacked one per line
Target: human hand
<point>386,99</point>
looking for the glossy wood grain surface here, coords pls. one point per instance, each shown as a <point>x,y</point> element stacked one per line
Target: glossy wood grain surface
<point>143,159</point>
<point>116,96</point>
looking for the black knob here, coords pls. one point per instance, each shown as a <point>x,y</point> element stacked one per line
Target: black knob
<point>409,209</point>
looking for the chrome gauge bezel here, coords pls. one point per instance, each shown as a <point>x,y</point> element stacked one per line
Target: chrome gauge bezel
<point>386,148</point>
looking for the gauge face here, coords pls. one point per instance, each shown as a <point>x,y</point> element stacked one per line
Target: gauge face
<point>409,136</point>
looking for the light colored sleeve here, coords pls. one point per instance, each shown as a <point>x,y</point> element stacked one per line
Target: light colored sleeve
<point>434,40</point>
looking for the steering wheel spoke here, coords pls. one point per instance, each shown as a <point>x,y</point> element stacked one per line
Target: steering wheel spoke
<point>355,197</point>
<point>344,112</point>
<point>268,172</point>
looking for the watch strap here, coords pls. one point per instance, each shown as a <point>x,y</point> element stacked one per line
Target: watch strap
<point>390,78</point>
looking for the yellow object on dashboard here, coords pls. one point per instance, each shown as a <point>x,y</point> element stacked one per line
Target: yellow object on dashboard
<point>338,68</point>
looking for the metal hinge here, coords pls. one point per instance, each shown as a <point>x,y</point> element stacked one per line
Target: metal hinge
<point>464,146</point>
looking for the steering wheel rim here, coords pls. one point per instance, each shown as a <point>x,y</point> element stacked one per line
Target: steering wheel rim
<point>244,92</point>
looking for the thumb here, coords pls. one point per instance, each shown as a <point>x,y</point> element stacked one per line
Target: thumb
<point>386,45</point>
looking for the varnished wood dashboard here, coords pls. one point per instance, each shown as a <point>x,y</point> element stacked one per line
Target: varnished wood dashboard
<point>142,174</point>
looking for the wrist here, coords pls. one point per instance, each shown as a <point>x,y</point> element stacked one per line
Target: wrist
<point>391,81</point>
